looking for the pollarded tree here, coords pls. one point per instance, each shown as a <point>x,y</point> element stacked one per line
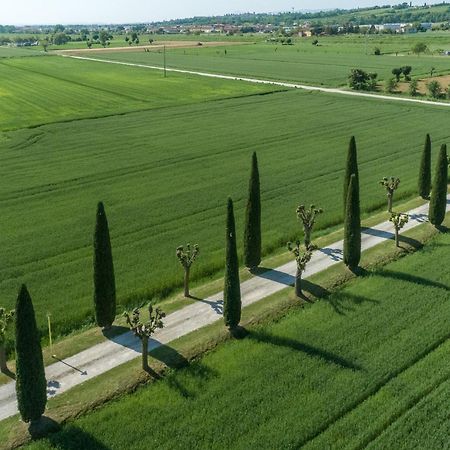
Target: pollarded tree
<point>438,199</point>
<point>144,330</point>
<point>351,168</point>
<point>6,317</point>
<point>232,289</point>
<point>425,170</point>
<point>352,226</point>
<point>399,220</point>
<point>391,185</point>
<point>104,280</point>
<point>31,385</point>
<point>187,258</point>
<point>308,219</point>
<point>252,232</point>
<point>302,258</point>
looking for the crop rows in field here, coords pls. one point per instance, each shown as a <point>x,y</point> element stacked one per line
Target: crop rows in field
<point>327,65</point>
<point>164,176</point>
<point>365,366</point>
<point>42,90</point>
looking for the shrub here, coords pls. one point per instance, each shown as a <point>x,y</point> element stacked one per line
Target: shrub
<point>434,89</point>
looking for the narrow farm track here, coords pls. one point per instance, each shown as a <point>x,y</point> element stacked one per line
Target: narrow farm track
<point>105,356</point>
<point>269,82</point>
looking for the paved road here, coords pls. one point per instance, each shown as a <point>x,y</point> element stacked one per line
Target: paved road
<point>270,82</point>
<point>102,357</point>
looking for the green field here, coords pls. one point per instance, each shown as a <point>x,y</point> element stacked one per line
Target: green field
<point>55,89</point>
<point>366,366</point>
<point>328,65</point>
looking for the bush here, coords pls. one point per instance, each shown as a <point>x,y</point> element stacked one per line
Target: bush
<point>412,90</point>
<point>434,89</point>
<point>359,80</point>
<point>377,51</point>
<point>390,85</point>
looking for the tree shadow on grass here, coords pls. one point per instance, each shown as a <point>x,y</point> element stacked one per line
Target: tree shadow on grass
<point>310,350</point>
<point>174,360</point>
<point>9,374</point>
<point>411,279</point>
<point>415,244</point>
<point>343,302</point>
<point>315,290</point>
<point>73,438</point>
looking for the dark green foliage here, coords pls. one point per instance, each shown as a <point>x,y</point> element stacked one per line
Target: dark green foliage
<point>425,170</point>
<point>252,233</point>
<point>104,281</point>
<point>438,199</point>
<point>352,226</point>
<point>351,168</point>
<point>359,80</point>
<point>31,385</point>
<point>232,288</point>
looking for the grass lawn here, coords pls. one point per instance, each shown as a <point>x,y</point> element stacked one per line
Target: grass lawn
<point>54,89</point>
<point>358,368</point>
<point>328,65</point>
<point>164,176</point>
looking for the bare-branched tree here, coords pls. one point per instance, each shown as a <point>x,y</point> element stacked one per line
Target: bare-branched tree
<point>308,218</point>
<point>391,185</point>
<point>187,258</point>
<point>302,257</point>
<point>399,220</point>
<point>145,330</point>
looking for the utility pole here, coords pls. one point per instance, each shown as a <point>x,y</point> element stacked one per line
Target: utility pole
<point>165,66</point>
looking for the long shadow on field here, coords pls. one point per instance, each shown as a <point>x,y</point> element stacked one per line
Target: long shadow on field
<point>274,275</point>
<point>343,302</point>
<point>315,290</point>
<point>73,438</point>
<point>411,279</point>
<point>304,348</point>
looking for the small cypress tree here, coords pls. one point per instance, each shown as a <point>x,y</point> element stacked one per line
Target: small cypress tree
<point>252,233</point>
<point>351,168</point>
<point>104,281</point>
<point>31,385</point>
<point>425,170</point>
<point>352,226</point>
<point>232,289</point>
<point>438,199</point>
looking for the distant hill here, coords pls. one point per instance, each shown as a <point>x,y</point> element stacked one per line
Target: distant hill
<point>360,16</point>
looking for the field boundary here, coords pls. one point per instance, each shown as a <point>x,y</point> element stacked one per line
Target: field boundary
<point>285,84</point>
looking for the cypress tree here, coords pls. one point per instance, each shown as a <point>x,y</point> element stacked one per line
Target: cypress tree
<point>252,234</point>
<point>104,281</point>
<point>351,168</point>
<point>232,288</point>
<point>31,385</point>
<point>352,226</point>
<point>425,170</point>
<point>438,199</point>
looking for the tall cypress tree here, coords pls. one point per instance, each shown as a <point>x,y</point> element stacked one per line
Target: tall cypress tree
<point>425,170</point>
<point>352,226</point>
<point>232,288</point>
<point>252,234</point>
<point>438,199</point>
<point>351,168</point>
<point>31,385</point>
<point>104,281</point>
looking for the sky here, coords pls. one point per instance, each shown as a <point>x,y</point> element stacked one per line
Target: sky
<point>30,12</point>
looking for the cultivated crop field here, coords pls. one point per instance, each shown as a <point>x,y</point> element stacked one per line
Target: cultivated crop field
<point>328,65</point>
<point>53,89</point>
<point>164,175</point>
<point>365,367</point>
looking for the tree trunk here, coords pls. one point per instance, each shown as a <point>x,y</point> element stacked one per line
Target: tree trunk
<point>145,353</point>
<point>397,240</point>
<point>298,284</point>
<point>390,198</point>
<point>3,367</point>
<point>307,231</point>
<point>186,282</point>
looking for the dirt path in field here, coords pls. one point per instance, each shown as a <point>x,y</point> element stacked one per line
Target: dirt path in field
<point>271,82</point>
<point>100,358</point>
<point>143,47</point>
